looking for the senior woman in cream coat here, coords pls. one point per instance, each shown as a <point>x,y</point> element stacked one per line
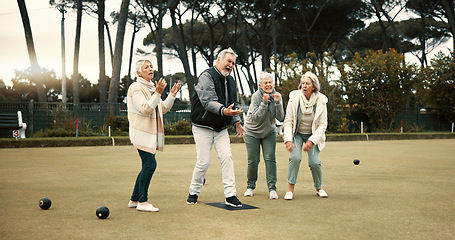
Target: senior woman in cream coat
<point>304,129</point>
<point>146,131</point>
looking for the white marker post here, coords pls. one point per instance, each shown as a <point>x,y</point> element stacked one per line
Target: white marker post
<point>452,127</point>
<point>109,131</point>
<point>16,133</point>
<point>361,127</point>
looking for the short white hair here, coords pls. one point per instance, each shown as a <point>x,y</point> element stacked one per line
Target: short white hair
<point>264,75</point>
<point>313,78</point>
<point>141,63</point>
<point>222,54</point>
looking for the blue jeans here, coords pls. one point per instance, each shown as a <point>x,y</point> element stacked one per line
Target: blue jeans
<point>140,192</point>
<point>253,147</point>
<point>313,161</point>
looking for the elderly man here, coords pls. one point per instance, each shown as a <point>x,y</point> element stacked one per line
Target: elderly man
<point>213,109</point>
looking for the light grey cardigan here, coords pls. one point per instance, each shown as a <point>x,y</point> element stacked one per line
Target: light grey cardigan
<point>260,119</point>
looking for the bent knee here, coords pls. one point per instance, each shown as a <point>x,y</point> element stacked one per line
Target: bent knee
<point>315,165</point>
<point>295,160</point>
<point>202,166</point>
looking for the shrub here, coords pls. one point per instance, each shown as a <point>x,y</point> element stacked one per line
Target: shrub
<point>55,132</point>
<point>182,127</point>
<point>62,132</point>
<point>119,126</point>
<point>379,85</point>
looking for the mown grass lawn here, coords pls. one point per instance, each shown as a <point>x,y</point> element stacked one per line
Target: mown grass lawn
<point>402,189</point>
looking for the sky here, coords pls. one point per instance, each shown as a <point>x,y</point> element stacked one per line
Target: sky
<point>46,28</point>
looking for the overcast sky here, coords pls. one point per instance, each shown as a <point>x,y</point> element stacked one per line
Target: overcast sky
<point>46,28</point>
<point>45,23</point>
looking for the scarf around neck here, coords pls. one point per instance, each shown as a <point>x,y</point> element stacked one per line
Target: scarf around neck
<point>307,105</point>
<point>271,98</point>
<point>157,117</point>
<point>150,85</point>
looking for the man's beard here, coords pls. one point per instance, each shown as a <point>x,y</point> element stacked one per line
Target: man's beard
<point>225,73</point>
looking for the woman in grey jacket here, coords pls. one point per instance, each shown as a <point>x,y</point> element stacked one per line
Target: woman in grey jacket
<point>266,106</point>
<point>304,129</point>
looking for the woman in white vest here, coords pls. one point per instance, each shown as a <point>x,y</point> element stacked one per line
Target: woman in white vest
<point>146,131</point>
<point>304,129</point>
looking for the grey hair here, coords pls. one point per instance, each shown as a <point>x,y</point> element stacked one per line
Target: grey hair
<point>313,78</point>
<point>227,50</point>
<point>264,75</point>
<point>141,63</point>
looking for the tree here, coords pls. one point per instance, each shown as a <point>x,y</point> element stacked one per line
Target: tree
<point>6,93</point>
<point>118,52</point>
<point>321,26</point>
<point>422,36</point>
<point>291,71</point>
<point>377,86</point>
<point>24,85</point>
<point>101,52</point>
<point>136,19</point>
<point>177,15</point>
<point>428,31</point>
<point>155,24</point>
<point>372,38</point>
<point>77,44</point>
<point>437,86</point>
<point>89,92</point>
<point>89,7</point>
<point>448,10</point>
<point>388,9</point>
<point>31,48</point>
<point>419,36</point>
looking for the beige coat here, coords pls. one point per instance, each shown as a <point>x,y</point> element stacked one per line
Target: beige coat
<point>292,119</point>
<point>146,129</point>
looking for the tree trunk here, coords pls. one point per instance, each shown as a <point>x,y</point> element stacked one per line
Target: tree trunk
<point>423,41</point>
<point>395,38</point>
<point>158,32</point>
<point>130,60</point>
<point>118,52</point>
<point>245,49</point>
<point>450,15</point>
<point>31,50</point>
<point>111,49</point>
<point>274,34</point>
<point>193,52</point>
<point>181,47</point>
<point>159,37</point>
<point>77,43</point>
<point>101,52</point>
<point>265,47</point>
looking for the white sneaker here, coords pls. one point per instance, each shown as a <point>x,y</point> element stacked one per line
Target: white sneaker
<point>147,208</point>
<point>321,193</point>
<point>248,192</point>
<point>273,195</point>
<point>289,196</point>
<point>132,204</point>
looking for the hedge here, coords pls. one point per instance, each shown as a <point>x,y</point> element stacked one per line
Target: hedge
<point>188,139</point>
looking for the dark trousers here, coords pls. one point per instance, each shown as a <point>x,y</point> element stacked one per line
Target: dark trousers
<point>140,192</point>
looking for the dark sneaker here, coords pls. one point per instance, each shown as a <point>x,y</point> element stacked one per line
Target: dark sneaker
<point>233,201</point>
<point>192,199</point>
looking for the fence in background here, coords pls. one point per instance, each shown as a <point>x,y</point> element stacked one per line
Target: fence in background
<point>424,120</point>
<point>40,116</point>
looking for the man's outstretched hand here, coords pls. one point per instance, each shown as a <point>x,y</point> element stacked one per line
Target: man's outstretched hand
<point>231,112</point>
